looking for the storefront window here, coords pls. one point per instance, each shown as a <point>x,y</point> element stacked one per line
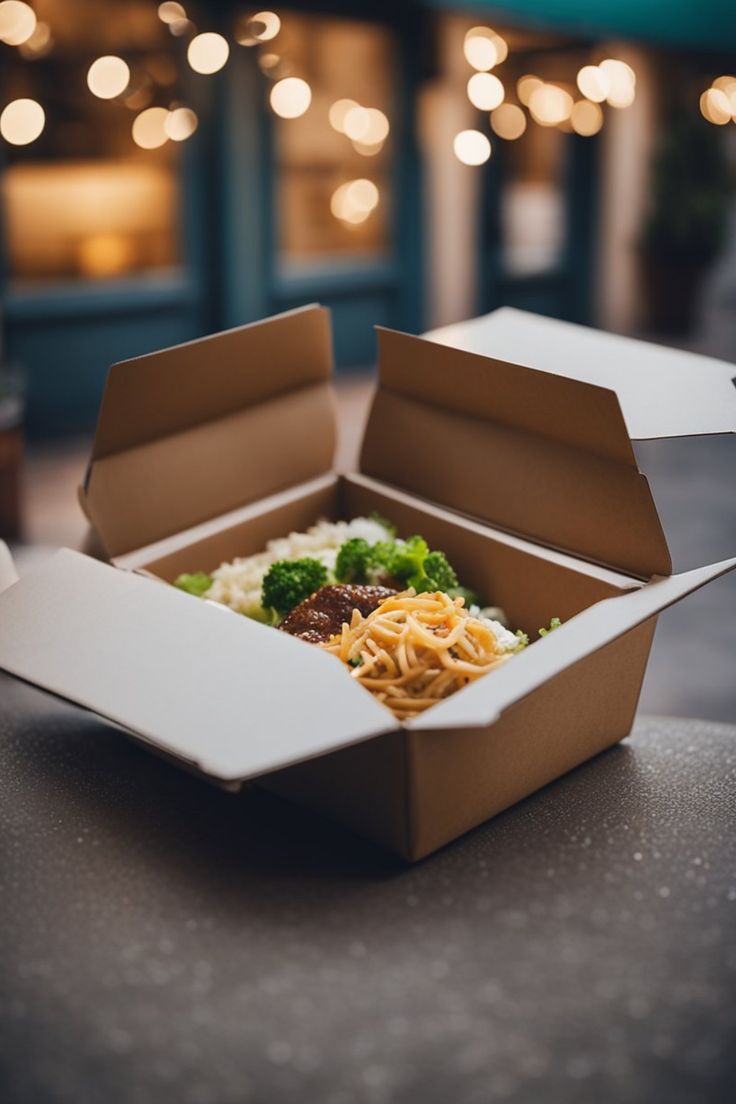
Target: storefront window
<point>84,200</point>
<point>333,161</point>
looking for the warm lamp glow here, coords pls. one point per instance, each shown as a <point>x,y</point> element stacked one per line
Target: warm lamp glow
<point>291,97</point>
<point>715,106</point>
<point>208,52</point>
<point>550,105</point>
<point>108,77</point>
<point>39,43</point>
<point>339,113</point>
<point>594,83</point>
<point>149,128</point>
<point>471,147</point>
<point>622,82</point>
<point>170,12</point>
<point>265,25</point>
<point>727,84</point>
<point>485,91</point>
<point>365,149</point>
<point>353,202</point>
<point>586,118</point>
<point>17,22</point>
<point>508,121</point>
<point>101,255</point>
<point>21,122</point>
<point>525,86</point>
<point>180,124</point>
<point>480,48</point>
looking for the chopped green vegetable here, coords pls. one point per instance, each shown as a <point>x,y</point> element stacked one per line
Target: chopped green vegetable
<point>523,639</point>
<point>471,598</point>
<point>437,574</point>
<point>289,582</point>
<point>408,558</point>
<point>356,662</point>
<point>197,584</point>
<point>554,624</point>
<point>352,561</point>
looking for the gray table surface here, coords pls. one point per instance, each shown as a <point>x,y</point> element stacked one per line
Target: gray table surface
<point>161,941</point>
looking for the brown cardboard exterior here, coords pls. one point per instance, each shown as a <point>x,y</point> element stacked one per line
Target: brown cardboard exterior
<point>206,688</point>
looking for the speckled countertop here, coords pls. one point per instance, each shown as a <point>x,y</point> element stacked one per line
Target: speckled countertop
<point>163,942</point>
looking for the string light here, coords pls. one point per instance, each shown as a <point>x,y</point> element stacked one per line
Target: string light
<point>550,105</point>
<point>290,97</point>
<point>594,83</point>
<point>207,53</point>
<point>21,122</point>
<point>149,128</point>
<point>622,82</point>
<point>727,84</point>
<point>480,49</point>
<point>170,12</point>
<point>354,201</point>
<point>339,112</point>
<point>586,118</point>
<point>265,25</point>
<point>508,121</point>
<point>525,86</point>
<point>471,147</point>
<point>180,124</point>
<point>108,77</point>
<point>17,22</point>
<point>485,91</point>
<point>715,106</point>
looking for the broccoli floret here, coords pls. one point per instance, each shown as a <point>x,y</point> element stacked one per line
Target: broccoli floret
<point>197,584</point>
<point>387,525</point>
<point>408,559</point>
<point>438,573</point>
<point>289,582</point>
<point>554,624</point>
<point>352,561</point>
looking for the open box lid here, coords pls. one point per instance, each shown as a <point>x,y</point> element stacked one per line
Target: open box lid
<point>544,453</point>
<point>235,699</point>
<point>193,431</point>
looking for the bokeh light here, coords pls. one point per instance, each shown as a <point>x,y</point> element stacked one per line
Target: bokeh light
<point>104,255</point>
<point>207,53</point>
<point>339,112</point>
<point>108,77</point>
<point>354,201</point>
<point>525,86</point>
<point>586,118</point>
<point>727,84</point>
<point>22,121</point>
<point>17,22</point>
<point>508,121</point>
<point>480,48</point>
<point>550,105</point>
<point>170,12</point>
<point>290,97</point>
<point>594,83</point>
<point>485,91</point>
<point>471,147</point>
<point>265,25</point>
<point>149,128</point>
<point>715,106</point>
<point>622,82</point>
<point>180,124</point>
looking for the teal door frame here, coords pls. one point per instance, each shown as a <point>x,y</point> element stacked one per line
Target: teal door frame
<point>360,294</point>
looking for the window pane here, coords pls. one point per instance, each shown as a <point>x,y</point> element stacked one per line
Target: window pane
<point>83,200</point>
<point>319,214</point>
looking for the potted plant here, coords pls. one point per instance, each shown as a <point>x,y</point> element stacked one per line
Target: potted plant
<point>686,224</point>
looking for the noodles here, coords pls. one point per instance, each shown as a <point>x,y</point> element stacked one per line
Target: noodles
<point>415,649</point>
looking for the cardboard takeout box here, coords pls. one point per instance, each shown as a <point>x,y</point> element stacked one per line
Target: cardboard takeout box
<point>525,477</point>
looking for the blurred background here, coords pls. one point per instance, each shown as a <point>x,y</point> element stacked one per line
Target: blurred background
<point>168,170</point>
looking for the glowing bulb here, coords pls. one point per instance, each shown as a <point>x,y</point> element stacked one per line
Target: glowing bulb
<point>471,147</point>
<point>17,22</point>
<point>485,91</point>
<point>21,122</point>
<point>508,121</point>
<point>108,77</point>
<point>291,97</point>
<point>594,83</point>
<point>715,106</point>
<point>169,12</point>
<point>180,124</point>
<point>480,48</point>
<point>265,25</point>
<point>586,118</point>
<point>525,86</point>
<point>149,128</point>
<point>339,112</point>
<point>622,81</point>
<point>550,105</point>
<point>208,52</point>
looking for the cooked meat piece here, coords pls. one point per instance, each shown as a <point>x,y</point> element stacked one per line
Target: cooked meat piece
<point>318,618</point>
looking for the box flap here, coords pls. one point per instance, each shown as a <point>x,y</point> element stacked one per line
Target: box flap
<point>532,452</point>
<point>484,701</point>
<point>220,692</point>
<point>190,432</point>
<point>662,392</point>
